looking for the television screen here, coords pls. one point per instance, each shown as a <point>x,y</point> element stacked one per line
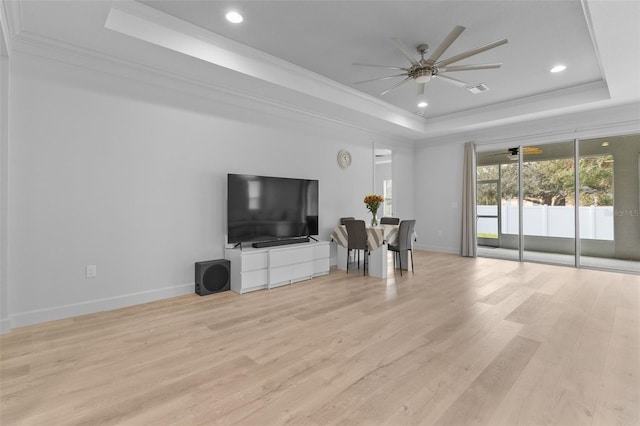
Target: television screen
<point>262,208</point>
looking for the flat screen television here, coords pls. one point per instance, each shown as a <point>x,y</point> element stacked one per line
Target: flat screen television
<point>264,208</point>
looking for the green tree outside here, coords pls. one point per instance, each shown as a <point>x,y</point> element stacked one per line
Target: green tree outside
<point>551,182</point>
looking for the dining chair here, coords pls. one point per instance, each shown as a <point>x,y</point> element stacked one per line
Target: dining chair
<point>405,234</point>
<point>344,219</point>
<point>389,220</point>
<point>357,240</point>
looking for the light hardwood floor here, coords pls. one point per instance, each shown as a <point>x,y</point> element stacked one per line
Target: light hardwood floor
<point>460,342</point>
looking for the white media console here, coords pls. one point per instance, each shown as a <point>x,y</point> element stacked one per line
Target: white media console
<point>269,267</point>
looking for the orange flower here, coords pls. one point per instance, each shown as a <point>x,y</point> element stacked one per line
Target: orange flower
<point>373,202</point>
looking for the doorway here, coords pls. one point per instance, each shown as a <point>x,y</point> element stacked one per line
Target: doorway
<point>383,179</point>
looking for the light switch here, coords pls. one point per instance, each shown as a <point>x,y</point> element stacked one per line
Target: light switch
<point>91,271</point>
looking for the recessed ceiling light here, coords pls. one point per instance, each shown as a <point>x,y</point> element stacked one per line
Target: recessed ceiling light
<point>422,104</point>
<point>558,68</point>
<point>234,17</point>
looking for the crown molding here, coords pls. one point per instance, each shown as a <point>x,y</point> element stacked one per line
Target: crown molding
<point>605,121</point>
<point>592,34</point>
<point>158,28</point>
<point>10,24</point>
<point>249,102</point>
<point>466,123</point>
<point>618,128</point>
<point>548,104</point>
<point>12,11</point>
<point>257,82</point>
<point>128,9</point>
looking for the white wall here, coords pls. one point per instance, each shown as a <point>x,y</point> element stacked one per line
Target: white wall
<point>5,324</point>
<point>438,197</point>
<point>131,177</point>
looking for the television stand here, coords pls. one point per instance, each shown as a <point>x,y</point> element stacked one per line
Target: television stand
<point>281,242</point>
<point>264,268</point>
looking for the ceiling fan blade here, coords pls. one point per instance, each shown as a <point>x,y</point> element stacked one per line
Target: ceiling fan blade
<point>454,68</point>
<point>452,80</point>
<point>421,88</point>
<point>380,78</point>
<point>378,66</point>
<point>472,52</point>
<point>448,41</point>
<point>395,85</point>
<point>531,150</point>
<point>406,52</point>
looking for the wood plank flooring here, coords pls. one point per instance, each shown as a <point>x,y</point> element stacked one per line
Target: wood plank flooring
<point>460,342</point>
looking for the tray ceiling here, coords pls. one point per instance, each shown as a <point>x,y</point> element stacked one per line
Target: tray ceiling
<point>317,43</point>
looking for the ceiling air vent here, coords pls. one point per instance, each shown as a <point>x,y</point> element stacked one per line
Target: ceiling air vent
<point>478,89</point>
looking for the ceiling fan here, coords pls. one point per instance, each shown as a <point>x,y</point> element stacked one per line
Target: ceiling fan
<point>512,153</point>
<point>423,70</point>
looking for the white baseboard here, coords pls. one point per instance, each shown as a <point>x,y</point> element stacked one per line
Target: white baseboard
<point>439,249</point>
<point>67,311</point>
<point>5,325</point>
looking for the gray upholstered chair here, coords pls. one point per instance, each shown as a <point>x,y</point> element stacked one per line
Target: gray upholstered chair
<point>405,234</point>
<point>344,219</point>
<point>357,240</point>
<point>389,220</point>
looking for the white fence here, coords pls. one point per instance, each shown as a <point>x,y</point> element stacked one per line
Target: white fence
<point>550,221</point>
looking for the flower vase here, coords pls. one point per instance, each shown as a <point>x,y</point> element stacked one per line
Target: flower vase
<point>374,221</point>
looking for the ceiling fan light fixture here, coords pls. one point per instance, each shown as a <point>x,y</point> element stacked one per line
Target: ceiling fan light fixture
<point>422,104</point>
<point>422,70</point>
<point>423,76</point>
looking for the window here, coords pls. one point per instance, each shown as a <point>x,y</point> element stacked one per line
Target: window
<point>388,198</point>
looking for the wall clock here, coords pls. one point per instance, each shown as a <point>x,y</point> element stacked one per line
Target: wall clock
<point>344,158</point>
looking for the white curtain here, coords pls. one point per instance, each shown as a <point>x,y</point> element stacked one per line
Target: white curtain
<point>469,201</point>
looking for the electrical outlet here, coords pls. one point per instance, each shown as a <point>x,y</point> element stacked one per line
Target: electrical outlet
<point>91,271</point>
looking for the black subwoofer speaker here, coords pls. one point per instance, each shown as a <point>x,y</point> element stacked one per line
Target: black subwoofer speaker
<point>212,276</point>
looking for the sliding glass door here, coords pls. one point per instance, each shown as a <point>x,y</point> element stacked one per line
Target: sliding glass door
<point>488,206</point>
<point>610,203</point>
<point>576,202</point>
<point>548,208</point>
<point>497,205</point>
